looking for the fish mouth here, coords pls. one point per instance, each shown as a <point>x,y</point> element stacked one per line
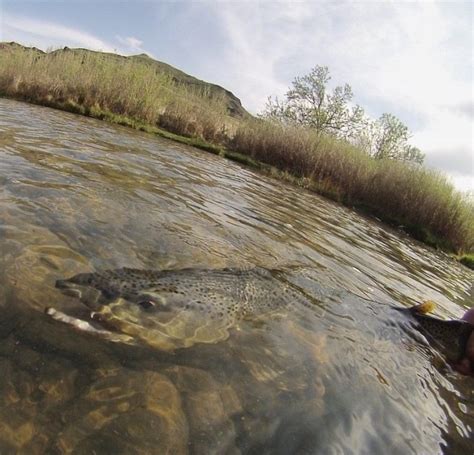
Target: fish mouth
<point>89,296</point>
<point>68,288</point>
<point>63,284</point>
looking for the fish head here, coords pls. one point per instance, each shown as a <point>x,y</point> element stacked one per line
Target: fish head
<point>149,308</point>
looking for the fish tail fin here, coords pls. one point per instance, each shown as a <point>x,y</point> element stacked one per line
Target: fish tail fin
<point>422,308</point>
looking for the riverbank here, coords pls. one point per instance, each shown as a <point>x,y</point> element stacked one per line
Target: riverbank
<point>133,93</point>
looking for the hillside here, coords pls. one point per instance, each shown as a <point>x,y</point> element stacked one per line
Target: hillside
<point>213,91</point>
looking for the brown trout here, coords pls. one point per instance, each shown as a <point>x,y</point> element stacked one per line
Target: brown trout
<point>170,309</point>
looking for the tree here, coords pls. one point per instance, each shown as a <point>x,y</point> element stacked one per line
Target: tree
<point>390,141</point>
<point>412,154</point>
<point>310,103</point>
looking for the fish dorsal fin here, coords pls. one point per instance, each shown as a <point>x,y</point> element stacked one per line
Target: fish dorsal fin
<point>424,308</point>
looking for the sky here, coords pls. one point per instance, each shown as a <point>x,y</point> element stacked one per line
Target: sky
<point>411,59</point>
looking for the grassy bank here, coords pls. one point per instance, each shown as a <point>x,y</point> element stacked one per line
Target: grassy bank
<point>420,200</point>
<point>94,83</point>
<point>133,92</point>
<point>467,260</point>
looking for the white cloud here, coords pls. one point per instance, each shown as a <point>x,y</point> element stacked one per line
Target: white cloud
<point>47,34</point>
<point>410,59</point>
<point>463,183</point>
<point>131,41</point>
<point>132,45</point>
<point>447,134</point>
<point>254,49</point>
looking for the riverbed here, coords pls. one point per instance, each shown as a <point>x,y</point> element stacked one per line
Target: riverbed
<point>342,374</point>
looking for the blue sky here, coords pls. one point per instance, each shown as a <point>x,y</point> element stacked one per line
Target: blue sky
<point>412,59</point>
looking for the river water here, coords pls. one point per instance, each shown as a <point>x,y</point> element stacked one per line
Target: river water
<point>342,375</point>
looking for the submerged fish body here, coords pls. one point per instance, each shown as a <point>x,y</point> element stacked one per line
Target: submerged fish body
<point>450,336</point>
<point>232,292</point>
<point>170,309</point>
<point>177,308</point>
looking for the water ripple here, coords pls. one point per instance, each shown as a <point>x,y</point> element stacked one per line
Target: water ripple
<point>332,377</point>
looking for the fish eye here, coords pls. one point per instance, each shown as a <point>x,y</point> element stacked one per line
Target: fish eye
<point>108,294</point>
<point>146,304</point>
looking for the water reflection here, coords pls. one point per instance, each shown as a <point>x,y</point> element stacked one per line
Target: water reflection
<point>338,376</point>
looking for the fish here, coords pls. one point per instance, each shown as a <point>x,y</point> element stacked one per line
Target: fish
<point>175,308</point>
<point>449,336</point>
<point>171,309</point>
<point>231,291</point>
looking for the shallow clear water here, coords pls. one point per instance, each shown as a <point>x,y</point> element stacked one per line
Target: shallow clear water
<point>342,375</point>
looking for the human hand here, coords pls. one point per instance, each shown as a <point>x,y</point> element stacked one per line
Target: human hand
<point>466,364</point>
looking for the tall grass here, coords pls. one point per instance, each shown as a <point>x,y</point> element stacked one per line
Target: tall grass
<point>105,85</point>
<point>420,200</point>
<point>90,83</point>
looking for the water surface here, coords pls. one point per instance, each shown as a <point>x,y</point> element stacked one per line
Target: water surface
<point>341,375</point>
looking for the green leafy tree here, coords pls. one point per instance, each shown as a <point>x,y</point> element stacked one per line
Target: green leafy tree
<point>412,154</point>
<point>310,103</point>
<point>390,141</point>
